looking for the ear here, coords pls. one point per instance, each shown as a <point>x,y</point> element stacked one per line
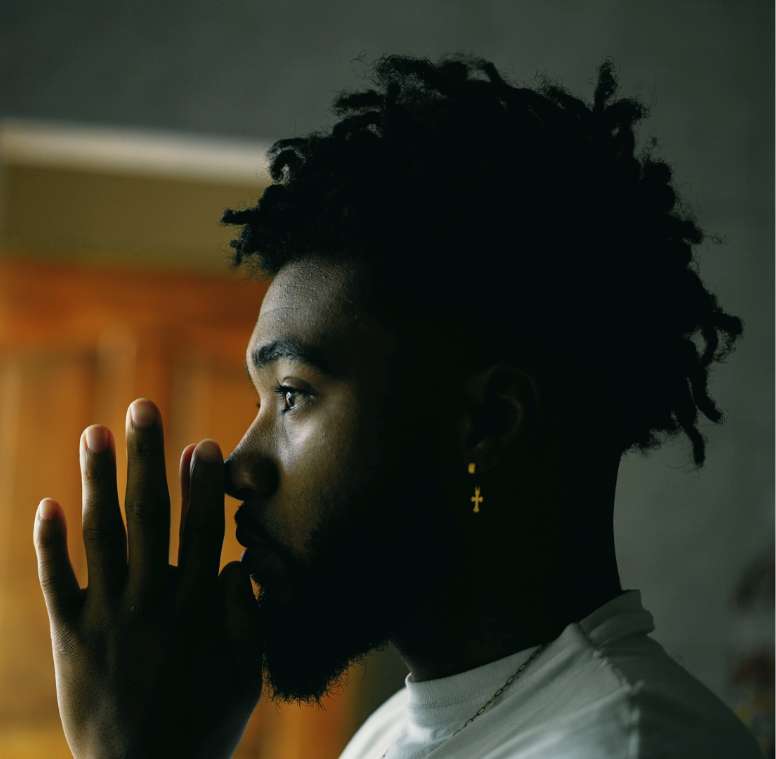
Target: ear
<point>502,405</point>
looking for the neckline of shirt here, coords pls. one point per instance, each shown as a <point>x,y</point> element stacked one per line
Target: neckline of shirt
<point>433,702</point>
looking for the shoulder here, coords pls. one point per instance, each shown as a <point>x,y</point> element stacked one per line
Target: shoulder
<point>663,710</point>
<point>626,700</point>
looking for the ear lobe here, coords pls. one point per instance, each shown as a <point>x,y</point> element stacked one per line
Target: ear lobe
<point>502,401</point>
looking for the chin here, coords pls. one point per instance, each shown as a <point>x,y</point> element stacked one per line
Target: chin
<point>310,644</point>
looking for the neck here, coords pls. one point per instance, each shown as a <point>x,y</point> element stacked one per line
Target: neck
<point>451,637</point>
<point>517,583</point>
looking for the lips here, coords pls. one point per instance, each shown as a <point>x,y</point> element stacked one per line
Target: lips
<point>250,538</point>
<point>258,552</point>
<point>248,530</point>
<point>259,557</point>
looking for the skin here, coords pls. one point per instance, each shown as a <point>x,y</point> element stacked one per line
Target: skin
<point>150,660</point>
<point>357,522</point>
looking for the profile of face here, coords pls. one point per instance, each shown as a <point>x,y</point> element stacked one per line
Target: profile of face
<point>343,477</point>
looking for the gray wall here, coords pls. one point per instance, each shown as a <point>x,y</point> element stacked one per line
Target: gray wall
<point>266,70</point>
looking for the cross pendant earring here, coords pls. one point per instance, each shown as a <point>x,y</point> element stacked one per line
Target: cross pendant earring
<point>476,499</point>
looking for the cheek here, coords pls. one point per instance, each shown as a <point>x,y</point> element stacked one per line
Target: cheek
<point>319,463</point>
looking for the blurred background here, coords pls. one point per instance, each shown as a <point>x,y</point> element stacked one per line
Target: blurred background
<point>126,128</point>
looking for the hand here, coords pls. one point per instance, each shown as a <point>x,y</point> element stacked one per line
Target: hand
<point>150,659</point>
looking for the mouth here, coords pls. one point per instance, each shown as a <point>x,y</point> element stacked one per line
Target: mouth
<point>259,557</point>
<point>248,538</point>
<point>248,531</point>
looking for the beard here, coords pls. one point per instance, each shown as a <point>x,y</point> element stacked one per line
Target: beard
<point>370,563</point>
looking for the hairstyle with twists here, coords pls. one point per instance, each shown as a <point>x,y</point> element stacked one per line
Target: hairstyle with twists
<point>521,215</point>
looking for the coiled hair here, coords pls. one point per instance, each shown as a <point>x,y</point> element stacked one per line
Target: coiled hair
<point>521,215</point>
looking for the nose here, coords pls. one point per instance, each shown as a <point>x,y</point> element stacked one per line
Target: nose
<point>249,476</point>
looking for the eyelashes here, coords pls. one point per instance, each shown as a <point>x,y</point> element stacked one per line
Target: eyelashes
<point>283,391</point>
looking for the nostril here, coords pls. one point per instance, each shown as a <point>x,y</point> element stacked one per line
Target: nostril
<point>249,477</point>
<point>232,486</point>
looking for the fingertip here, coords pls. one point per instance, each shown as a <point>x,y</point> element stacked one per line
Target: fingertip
<point>209,450</point>
<point>49,524</point>
<point>48,510</point>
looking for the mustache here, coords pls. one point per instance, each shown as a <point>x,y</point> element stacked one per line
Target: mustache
<point>248,524</point>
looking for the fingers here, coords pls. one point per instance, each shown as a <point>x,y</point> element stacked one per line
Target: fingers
<point>147,502</point>
<point>103,531</point>
<point>203,532</point>
<point>55,573</point>
<point>185,479</point>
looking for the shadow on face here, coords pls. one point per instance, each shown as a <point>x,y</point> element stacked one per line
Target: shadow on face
<point>338,475</point>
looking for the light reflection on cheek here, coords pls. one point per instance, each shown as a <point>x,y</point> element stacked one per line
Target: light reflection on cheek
<point>325,435</point>
<point>309,440</point>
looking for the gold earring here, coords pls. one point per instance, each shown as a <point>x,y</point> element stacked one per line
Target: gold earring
<point>476,499</point>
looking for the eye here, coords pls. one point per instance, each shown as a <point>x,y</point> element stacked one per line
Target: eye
<point>284,391</point>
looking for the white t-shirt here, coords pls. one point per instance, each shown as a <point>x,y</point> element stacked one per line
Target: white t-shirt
<point>603,689</point>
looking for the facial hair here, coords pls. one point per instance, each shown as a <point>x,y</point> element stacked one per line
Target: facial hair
<point>362,578</point>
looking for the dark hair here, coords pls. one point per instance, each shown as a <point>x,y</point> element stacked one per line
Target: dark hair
<point>522,213</point>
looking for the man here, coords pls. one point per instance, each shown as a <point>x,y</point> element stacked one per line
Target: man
<point>480,300</point>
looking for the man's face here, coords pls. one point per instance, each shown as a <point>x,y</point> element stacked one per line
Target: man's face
<point>342,472</point>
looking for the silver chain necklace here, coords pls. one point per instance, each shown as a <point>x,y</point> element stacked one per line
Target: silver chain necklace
<point>485,706</point>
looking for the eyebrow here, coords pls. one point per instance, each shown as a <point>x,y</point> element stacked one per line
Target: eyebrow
<point>292,349</point>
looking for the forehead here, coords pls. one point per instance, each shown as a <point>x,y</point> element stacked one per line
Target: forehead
<point>315,291</point>
<point>318,303</point>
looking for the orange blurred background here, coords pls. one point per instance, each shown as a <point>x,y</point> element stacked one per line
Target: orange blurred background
<point>114,285</point>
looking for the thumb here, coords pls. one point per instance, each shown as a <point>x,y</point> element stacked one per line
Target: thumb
<point>241,616</point>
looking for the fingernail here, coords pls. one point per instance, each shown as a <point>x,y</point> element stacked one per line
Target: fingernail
<point>143,413</point>
<point>208,450</point>
<point>96,438</point>
<point>47,509</point>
